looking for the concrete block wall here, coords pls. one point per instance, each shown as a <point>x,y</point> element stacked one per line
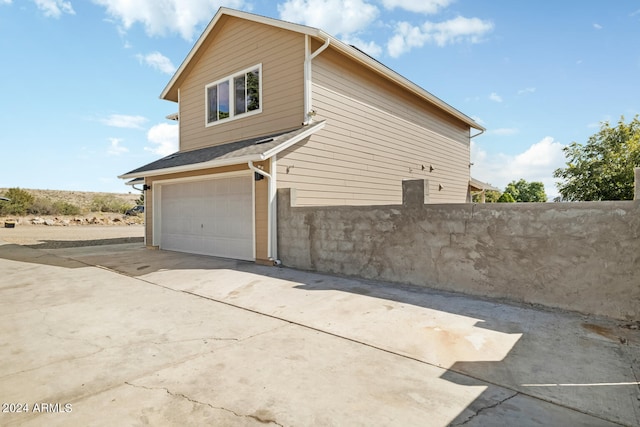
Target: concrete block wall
<point>583,256</point>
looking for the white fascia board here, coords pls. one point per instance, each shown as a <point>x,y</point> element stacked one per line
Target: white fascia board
<point>280,148</point>
<point>195,166</point>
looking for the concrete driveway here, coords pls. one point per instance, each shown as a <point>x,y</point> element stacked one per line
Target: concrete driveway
<point>122,335</point>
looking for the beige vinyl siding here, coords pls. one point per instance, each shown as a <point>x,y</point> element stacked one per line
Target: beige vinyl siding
<point>238,45</point>
<point>376,136</point>
<point>261,203</point>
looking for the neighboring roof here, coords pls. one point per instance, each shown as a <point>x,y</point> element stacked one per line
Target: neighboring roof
<point>476,185</point>
<point>348,50</point>
<point>253,149</point>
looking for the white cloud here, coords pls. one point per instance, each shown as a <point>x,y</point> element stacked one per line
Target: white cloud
<point>371,48</point>
<point>158,61</point>
<point>160,17</point>
<point>597,26</point>
<point>456,30</point>
<point>537,163</point>
<point>337,17</point>
<point>164,136</point>
<point>124,121</point>
<point>495,97</point>
<point>504,131</point>
<point>418,6</point>
<point>526,91</point>
<point>115,149</point>
<point>54,8</point>
<point>5,1</point>
<point>478,120</point>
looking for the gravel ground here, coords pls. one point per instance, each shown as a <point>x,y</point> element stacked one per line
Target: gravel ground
<point>53,237</point>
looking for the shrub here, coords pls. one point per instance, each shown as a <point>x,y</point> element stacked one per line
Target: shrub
<point>66,208</point>
<point>41,206</point>
<point>20,202</point>
<point>109,203</point>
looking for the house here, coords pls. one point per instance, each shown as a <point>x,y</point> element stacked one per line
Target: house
<point>479,189</point>
<point>265,104</point>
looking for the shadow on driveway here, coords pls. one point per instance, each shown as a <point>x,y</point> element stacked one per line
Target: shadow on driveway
<point>535,365</point>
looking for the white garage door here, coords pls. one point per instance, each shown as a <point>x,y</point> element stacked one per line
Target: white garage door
<point>209,217</point>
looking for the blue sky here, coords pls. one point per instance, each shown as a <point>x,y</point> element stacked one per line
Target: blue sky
<point>80,80</point>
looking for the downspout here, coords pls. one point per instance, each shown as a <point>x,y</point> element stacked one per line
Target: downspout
<point>270,195</point>
<point>308,57</point>
<point>471,164</point>
<point>477,134</point>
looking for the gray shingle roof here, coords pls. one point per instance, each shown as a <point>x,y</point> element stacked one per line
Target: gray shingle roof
<point>255,149</point>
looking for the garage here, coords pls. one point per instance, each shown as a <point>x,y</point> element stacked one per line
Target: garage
<point>213,216</point>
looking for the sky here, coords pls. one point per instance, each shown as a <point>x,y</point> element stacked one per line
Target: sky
<point>80,79</point>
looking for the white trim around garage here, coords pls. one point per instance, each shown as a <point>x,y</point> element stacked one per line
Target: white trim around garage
<point>157,202</point>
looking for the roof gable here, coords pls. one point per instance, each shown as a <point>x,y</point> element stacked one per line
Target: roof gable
<point>170,91</point>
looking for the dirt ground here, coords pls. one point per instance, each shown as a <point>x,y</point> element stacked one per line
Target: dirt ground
<point>53,237</point>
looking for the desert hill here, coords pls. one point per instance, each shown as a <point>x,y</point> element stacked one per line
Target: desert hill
<point>94,208</point>
<point>82,199</point>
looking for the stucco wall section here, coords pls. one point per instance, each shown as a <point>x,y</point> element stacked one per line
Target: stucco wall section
<point>577,256</point>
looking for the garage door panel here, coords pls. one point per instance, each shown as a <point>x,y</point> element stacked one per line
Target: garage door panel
<point>211,217</point>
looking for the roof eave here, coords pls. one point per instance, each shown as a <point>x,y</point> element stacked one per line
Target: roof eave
<point>194,166</point>
<point>293,141</point>
<point>482,186</point>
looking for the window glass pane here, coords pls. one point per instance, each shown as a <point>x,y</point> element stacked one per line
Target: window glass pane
<point>241,104</point>
<point>253,90</point>
<point>223,100</point>
<point>212,103</point>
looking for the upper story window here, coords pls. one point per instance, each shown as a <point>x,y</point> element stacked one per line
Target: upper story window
<point>235,96</point>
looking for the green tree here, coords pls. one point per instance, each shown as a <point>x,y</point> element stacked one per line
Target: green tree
<point>506,198</point>
<point>490,196</point>
<point>602,169</point>
<point>523,191</point>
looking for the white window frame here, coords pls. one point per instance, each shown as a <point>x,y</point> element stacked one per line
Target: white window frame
<point>232,98</point>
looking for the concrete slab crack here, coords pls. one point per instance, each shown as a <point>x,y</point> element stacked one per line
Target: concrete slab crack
<point>486,408</point>
<point>256,417</point>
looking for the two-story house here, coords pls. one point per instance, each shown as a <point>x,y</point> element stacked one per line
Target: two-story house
<point>265,104</point>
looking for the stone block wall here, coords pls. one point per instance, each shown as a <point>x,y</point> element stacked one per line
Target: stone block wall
<point>582,256</point>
